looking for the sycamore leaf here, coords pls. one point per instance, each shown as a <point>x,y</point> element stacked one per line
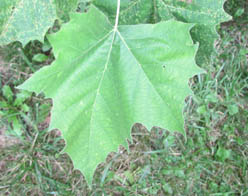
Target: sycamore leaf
<point>131,11</point>
<point>64,7</point>
<point>5,13</point>
<point>105,79</point>
<point>25,20</point>
<point>206,14</point>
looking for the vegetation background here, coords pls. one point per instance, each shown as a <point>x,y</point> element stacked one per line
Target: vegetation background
<point>214,161</point>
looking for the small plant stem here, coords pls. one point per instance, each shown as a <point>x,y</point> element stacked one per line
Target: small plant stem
<point>3,187</point>
<point>117,14</point>
<point>34,141</point>
<point>29,122</point>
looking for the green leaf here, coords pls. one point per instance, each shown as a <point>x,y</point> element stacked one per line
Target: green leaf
<point>232,109</point>
<point>39,58</point>
<point>131,11</point>
<point>222,154</point>
<point>5,11</point>
<point>25,20</point>
<point>206,14</point>
<point>64,7</point>
<point>17,126</point>
<point>21,97</point>
<point>105,79</point>
<point>7,93</point>
<point>46,46</point>
<point>167,188</point>
<point>44,110</point>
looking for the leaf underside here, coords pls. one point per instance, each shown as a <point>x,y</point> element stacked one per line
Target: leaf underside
<point>103,81</point>
<point>206,14</point>
<point>25,20</point>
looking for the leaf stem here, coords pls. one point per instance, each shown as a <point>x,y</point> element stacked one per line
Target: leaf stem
<point>117,14</point>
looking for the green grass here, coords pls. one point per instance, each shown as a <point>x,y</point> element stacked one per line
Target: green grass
<point>213,161</point>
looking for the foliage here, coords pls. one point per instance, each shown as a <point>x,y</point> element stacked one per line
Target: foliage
<point>64,7</point>
<point>103,59</point>
<point>11,106</point>
<point>205,14</point>
<point>25,20</point>
<point>238,9</point>
<point>106,70</point>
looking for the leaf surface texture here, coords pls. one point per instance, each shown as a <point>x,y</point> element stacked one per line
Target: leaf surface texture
<point>206,14</point>
<point>64,7</point>
<point>25,20</point>
<point>104,80</point>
